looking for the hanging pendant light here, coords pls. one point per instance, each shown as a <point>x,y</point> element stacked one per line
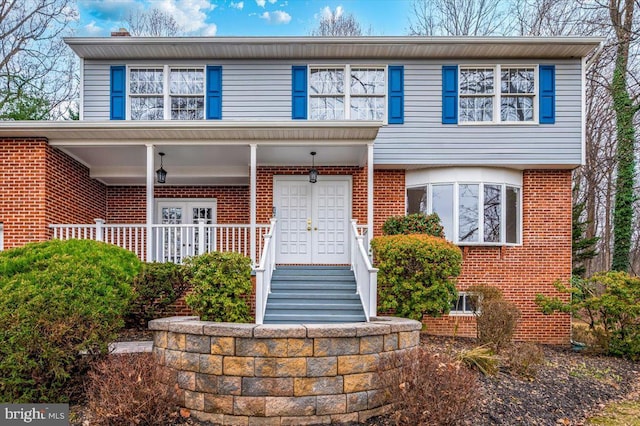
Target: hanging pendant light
<point>313,173</point>
<point>161,173</point>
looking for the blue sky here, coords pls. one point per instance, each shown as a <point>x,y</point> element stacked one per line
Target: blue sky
<point>97,18</point>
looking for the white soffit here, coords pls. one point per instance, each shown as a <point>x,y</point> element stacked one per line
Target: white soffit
<point>309,48</point>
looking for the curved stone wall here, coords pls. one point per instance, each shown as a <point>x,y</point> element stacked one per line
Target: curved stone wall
<point>247,374</point>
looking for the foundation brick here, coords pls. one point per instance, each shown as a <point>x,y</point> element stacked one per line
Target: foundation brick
<point>238,366</point>
<point>317,386</point>
<point>218,404</point>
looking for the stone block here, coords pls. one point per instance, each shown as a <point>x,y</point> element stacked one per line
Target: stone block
<point>331,330</point>
<point>371,344</point>
<point>280,367</point>
<point>218,404</point>
<point>391,342</point>
<point>365,415</point>
<point>377,398</point>
<point>305,421</point>
<point>230,385</point>
<point>238,366</point>
<point>210,364</point>
<point>350,364</point>
<point>176,341</point>
<point>228,329</point>
<point>372,329</point>
<point>331,404</point>
<point>357,401</point>
<point>173,359</point>
<point>322,366</point>
<point>326,346</point>
<point>279,331</point>
<point>229,420</point>
<point>216,419</point>
<point>160,339</point>
<point>190,361</point>
<point>188,327</point>
<point>187,380</point>
<point>207,383</point>
<point>164,323</point>
<point>267,386</point>
<point>290,406</point>
<point>261,347</point>
<point>199,344</point>
<point>299,347</point>
<point>194,400</point>
<point>360,382</point>
<point>340,419</point>
<point>264,421</point>
<point>408,339</point>
<point>223,346</point>
<point>249,406</point>
<point>317,386</point>
<point>158,355</point>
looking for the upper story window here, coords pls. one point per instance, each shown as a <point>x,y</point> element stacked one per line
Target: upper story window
<point>475,206</point>
<point>347,93</point>
<point>166,93</point>
<point>497,94</point>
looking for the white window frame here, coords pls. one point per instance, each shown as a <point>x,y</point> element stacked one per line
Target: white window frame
<point>347,87</point>
<point>497,94</point>
<point>166,95</point>
<point>464,312</point>
<point>186,203</point>
<point>480,176</point>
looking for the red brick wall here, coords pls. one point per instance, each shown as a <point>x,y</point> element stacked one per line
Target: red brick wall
<point>389,197</point>
<point>41,185</point>
<point>524,271</point>
<point>127,204</point>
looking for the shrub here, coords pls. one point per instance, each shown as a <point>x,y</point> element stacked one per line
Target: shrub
<point>416,223</point>
<point>128,389</point>
<point>429,389</point>
<point>496,318</point>
<point>58,299</point>
<point>416,274</point>
<point>482,358</point>
<point>524,359</point>
<point>221,284</point>
<point>610,303</point>
<point>157,286</point>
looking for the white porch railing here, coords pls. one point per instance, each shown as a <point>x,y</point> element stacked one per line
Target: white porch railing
<point>366,275</point>
<point>172,243</point>
<point>264,271</point>
<point>1,236</point>
<point>363,230</point>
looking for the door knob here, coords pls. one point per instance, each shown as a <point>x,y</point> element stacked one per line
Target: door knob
<point>308,224</point>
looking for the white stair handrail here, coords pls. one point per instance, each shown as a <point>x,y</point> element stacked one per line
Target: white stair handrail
<point>264,272</point>
<point>365,274</point>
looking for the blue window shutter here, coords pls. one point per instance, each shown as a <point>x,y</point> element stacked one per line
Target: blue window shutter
<point>396,94</point>
<point>450,94</point>
<point>214,93</point>
<point>117,104</point>
<point>299,92</point>
<point>547,85</point>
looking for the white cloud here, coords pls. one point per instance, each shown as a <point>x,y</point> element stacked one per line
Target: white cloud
<point>92,29</point>
<point>276,17</point>
<point>261,3</point>
<point>239,5</point>
<point>327,13</point>
<point>210,30</point>
<point>191,15</point>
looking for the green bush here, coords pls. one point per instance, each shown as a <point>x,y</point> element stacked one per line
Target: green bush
<point>157,286</point>
<point>610,303</point>
<point>416,223</point>
<point>58,299</point>
<point>221,286</point>
<point>416,274</point>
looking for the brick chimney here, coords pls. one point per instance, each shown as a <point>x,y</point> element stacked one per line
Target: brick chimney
<point>122,32</point>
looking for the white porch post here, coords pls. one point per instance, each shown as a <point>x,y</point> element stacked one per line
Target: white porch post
<point>369,193</point>
<point>253,181</point>
<point>149,202</point>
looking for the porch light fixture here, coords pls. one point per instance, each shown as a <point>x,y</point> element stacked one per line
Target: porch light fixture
<point>161,173</point>
<point>313,173</point>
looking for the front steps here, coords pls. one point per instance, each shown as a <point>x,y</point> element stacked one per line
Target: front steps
<point>313,295</point>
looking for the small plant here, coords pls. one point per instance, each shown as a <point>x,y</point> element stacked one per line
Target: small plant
<point>156,287</point>
<point>416,223</point>
<point>496,318</point>
<point>428,389</point>
<point>524,359</point>
<point>58,299</point>
<point>416,274</point>
<point>482,358</point>
<point>221,284</point>
<point>129,389</point>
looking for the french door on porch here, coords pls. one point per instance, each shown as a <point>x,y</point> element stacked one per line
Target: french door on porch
<point>174,243</point>
<point>313,219</point>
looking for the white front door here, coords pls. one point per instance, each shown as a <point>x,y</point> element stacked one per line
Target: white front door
<point>313,219</point>
<point>175,243</point>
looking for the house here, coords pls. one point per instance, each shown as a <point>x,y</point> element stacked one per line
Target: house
<point>327,136</point>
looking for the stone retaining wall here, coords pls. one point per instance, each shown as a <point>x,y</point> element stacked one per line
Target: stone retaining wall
<point>247,374</point>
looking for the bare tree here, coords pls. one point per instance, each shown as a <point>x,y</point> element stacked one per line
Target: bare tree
<point>34,61</point>
<point>460,17</point>
<point>337,24</point>
<point>152,23</point>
